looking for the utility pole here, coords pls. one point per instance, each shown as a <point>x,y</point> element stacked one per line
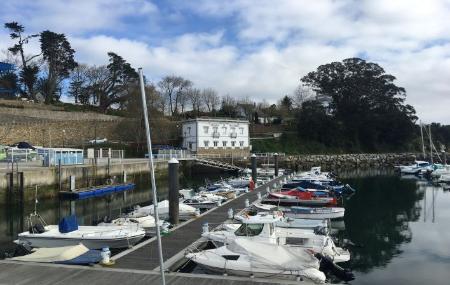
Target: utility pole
<point>152,173</point>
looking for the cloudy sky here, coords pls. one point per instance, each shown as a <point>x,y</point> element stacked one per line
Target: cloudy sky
<point>258,48</point>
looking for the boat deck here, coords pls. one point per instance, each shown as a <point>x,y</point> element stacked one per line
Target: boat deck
<point>145,256</point>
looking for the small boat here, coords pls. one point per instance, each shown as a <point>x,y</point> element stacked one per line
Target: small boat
<point>240,182</point>
<point>285,222</point>
<point>145,222</point>
<point>314,213</point>
<point>69,233</point>
<point>247,258</point>
<point>288,200</point>
<point>417,168</point>
<point>76,255</point>
<point>186,212</point>
<point>263,228</point>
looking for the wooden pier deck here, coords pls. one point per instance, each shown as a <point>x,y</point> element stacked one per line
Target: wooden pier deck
<point>145,257</point>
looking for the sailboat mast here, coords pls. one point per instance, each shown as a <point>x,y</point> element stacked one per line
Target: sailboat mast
<point>431,143</point>
<point>423,143</point>
<point>152,172</point>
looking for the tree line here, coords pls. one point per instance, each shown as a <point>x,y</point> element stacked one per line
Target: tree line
<point>349,105</point>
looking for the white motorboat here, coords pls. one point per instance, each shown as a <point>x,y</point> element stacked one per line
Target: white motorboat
<point>242,182</point>
<point>186,212</point>
<point>204,201</point>
<point>442,170</point>
<point>69,233</point>
<point>416,168</point>
<point>145,222</point>
<point>286,222</point>
<point>314,213</point>
<point>263,229</point>
<point>243,257</point>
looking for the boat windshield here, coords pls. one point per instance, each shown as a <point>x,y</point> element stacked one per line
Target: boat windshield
<point>249,230</point>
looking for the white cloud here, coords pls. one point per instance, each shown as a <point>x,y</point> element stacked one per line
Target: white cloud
<point>263,47</point>
<point>74,16</point>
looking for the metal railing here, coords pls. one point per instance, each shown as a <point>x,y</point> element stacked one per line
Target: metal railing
<point>216,135</point>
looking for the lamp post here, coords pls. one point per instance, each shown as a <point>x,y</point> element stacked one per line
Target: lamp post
<point>64,138</point>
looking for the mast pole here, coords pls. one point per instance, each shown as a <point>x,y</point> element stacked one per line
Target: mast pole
<point>152,173</point>
<point>423,143</point>
<point>431,143</point>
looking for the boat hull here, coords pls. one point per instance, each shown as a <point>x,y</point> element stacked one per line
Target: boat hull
<point>36,241</point>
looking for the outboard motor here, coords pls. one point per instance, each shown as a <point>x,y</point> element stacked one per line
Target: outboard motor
<point>327,265</point>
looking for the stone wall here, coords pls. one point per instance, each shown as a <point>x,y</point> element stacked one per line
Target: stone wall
<point>348,161</point>
<point>57,133</point>
<point>227,151</point>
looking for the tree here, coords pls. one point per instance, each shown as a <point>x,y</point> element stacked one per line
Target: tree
<point>211,99</point>
<point>228,108</point>
<point>173,87</point>
<point>28,74</point>
<point>301,95</point>
<point>59,56</point>
<point>79,84</point>
<point>195,98</point>
<point>113,84</point>
<point>365,101</point>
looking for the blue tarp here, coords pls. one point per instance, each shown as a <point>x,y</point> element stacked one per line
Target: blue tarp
<point>68,224</point>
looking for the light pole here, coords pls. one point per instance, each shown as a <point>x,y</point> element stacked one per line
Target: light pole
<point>64,138</point>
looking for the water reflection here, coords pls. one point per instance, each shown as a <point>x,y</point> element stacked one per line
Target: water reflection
<point>89,211</point>
<point>377,217</point>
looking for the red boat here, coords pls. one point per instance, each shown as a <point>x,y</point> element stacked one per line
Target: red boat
<point>291,198</point>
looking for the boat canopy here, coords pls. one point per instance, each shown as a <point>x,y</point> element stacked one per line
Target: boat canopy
<point>277,256</point>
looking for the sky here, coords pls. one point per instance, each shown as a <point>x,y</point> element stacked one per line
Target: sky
<point>256,48</point>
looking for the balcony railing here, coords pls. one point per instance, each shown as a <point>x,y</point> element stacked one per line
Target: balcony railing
<point>233,135</point>
<point>216,135</point>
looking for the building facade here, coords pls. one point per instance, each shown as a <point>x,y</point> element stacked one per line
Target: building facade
<point>216,136</point>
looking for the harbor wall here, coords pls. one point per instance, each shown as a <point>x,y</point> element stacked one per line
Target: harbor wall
<point>49,176</point>
<point>348,161</point>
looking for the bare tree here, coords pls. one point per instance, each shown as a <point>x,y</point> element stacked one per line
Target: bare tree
<point>301,95</point>
<point>172,88</point>
<point>195,97</point>
<point>248,107</point>
<point>211,99</point>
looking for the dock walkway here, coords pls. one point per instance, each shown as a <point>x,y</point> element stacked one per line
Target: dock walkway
<point>146,257</point>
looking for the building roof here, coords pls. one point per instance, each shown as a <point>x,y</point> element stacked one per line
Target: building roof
<point>216,119</point>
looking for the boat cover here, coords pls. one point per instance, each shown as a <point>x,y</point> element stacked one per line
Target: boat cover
<point>68,224</point>
<point>54,254</point>
<point>276,256</point>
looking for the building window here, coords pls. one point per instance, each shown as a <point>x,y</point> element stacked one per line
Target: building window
<point>224,143</point>
<point>215,129</point>
<point>241,130</point>
<point>205,129</point>
<point>206,143</point>
<point>189,130</point>
<point>216,143</point>
<point>190,145</point>
<point>224,130</point>
<point>241,143</point>
<point>233,143</point>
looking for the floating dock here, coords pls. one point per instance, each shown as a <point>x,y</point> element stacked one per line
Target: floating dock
<point>140,264</point>
<point>97,191</point>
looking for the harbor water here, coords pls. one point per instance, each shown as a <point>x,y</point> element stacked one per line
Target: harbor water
<point>395,228</point>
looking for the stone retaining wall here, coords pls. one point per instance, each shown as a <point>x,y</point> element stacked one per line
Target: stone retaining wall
<point>347,161</point>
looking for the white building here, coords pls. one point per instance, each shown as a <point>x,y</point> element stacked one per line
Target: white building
<point>216,135</point>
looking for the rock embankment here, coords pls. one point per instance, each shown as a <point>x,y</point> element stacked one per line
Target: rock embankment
<point>343,161</point>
